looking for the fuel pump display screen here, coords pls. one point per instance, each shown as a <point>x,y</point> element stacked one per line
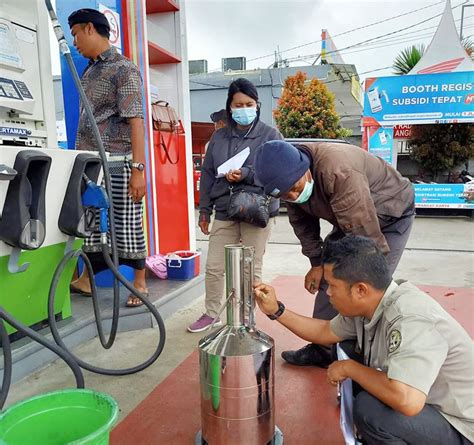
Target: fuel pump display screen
<point>9,89</point>
<point>25,92</point>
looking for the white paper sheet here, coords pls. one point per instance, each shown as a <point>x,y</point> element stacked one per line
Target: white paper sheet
<point>346,420</point>
<point>234,163</point>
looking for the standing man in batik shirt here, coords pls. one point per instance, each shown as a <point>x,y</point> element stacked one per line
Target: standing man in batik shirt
<point>112,84</point>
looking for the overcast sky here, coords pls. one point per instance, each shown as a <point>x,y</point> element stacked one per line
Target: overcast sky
<point>255,28</point>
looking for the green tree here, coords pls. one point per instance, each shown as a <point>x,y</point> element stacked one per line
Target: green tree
<point>306,110</point>
<point>407,59</point>
<point>438,148</point>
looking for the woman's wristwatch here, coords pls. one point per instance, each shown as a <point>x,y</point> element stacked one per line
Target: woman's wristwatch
<point>277,314</point>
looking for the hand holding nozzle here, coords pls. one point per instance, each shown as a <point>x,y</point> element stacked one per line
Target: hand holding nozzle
<point>266,298</point>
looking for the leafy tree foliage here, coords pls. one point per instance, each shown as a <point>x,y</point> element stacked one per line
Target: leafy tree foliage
<point>306,110</point>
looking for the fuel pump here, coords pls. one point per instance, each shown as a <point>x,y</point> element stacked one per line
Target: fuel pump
<point>30,197</point>
<point>94,197</point>
<point>31,243</point>
<point>26,91</point>
<point>23,201</point>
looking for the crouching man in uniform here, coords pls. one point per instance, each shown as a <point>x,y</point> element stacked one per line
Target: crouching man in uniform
<point>417,363</point>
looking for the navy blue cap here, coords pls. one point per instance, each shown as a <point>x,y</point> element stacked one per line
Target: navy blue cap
<point>278,166</point>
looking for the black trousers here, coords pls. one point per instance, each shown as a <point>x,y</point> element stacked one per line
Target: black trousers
<point>98,263</point>
<point>396,235</point>
<point>379,424</point>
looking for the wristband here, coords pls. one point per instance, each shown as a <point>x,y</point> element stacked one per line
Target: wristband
<point>278,313</point>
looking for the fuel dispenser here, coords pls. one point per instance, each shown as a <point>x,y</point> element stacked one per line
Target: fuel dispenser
<point>31,244</point>
<point>76,219</point>
<point>22,225</point>
<point>27,116</point>
<point>51,200</point>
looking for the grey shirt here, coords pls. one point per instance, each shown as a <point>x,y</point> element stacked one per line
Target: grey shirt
<point>415,341</point>
<point>225,143</point>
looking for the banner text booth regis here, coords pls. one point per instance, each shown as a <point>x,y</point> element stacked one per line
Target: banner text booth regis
<point>392,104</point>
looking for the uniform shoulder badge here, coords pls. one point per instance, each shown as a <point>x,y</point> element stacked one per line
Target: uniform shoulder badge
<point>394,340</point>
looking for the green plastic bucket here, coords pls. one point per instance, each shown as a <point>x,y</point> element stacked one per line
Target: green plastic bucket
<point>75,416</point>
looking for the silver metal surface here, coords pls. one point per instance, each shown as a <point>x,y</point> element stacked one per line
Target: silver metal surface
<point>237,366</point>
<point>33,234</point>
<point>277,438</point>
<point>235,285</point>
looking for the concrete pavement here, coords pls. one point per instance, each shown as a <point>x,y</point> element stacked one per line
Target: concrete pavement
<point>440,252</point>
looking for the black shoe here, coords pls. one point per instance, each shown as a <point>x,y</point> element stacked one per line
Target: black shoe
<point>309,355</point>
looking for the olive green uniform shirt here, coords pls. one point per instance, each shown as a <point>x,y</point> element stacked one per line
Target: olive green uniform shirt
<point>416,342</point>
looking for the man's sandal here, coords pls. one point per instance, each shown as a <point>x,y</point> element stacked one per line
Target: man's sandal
<point>76,290</point>
<point>134,301</point>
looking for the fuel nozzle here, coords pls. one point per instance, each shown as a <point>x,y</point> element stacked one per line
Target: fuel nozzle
<point>96,196</point>
<point>58,31</point>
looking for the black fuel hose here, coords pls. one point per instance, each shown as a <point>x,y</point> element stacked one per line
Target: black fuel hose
<point>64,48</point>
<point>53,324</point>
<point>7,353</point>
<point>7,363</point>
<point>111,262</point>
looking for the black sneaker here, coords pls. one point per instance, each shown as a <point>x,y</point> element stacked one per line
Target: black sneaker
<point>309,355</point>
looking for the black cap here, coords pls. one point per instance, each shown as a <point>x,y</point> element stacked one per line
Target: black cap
<point>220,115</point>
<point>87,15</point>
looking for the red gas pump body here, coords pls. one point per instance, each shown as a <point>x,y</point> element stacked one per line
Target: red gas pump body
<point>171,191</point>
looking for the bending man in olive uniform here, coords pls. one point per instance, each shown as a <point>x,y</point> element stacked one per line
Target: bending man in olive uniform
<point>417,370</point>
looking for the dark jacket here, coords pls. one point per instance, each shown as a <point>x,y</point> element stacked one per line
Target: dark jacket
<point>355,191</point>
<point>225,143</point>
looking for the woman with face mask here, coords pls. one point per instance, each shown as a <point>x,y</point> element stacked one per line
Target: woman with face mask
<point>244,129</point>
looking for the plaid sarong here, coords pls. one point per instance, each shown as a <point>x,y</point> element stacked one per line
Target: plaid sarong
<point>128,217</point>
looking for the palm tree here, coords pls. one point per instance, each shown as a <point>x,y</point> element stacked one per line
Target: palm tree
<point>410,56</point>
<point>468,45</point>
<point>407,59</point>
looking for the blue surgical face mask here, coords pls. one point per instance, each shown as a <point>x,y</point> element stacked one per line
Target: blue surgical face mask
<point>244,116</point>
<point>305,194</point>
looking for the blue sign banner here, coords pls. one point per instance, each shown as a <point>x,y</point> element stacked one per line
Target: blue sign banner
<point>447,196</point>
<point>381,144</point>
<point>420,99</point>
<point>13,131</point>
<point>70,95</point>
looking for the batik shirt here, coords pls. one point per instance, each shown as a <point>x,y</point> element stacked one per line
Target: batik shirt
<point>112,84</point>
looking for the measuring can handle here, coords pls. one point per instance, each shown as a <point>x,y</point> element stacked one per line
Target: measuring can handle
<point>249,259</point>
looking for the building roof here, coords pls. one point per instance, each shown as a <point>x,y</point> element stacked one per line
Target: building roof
<point>263,77</point>
<point>337,77</point>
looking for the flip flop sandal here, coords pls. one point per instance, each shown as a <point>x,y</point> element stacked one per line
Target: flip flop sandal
<point>76,290</point>
<point>140,302</point>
